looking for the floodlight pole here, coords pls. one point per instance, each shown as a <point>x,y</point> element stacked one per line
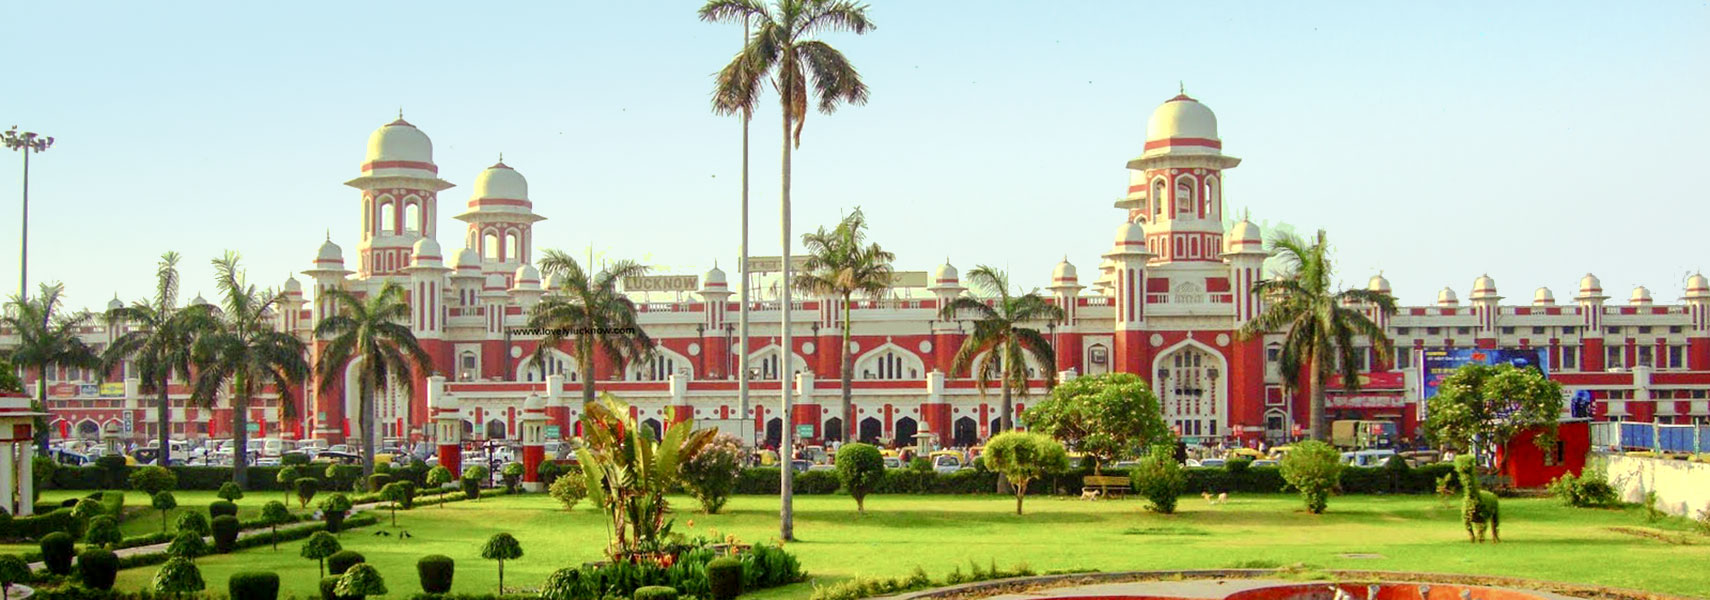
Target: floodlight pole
<point>25,142</point>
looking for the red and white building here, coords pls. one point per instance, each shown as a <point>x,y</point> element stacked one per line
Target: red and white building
<point>1165,303</point>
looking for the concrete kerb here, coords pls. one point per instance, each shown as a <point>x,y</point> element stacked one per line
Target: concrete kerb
<point>997,586</point>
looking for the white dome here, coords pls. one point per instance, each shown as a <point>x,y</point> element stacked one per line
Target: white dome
<point>446,403</point>
<point>713,278</point>
<point>329,253</point>
<point>292,286</point>
<point>1378,284</point>
<point>494,281</point>
<point>1447,297</point>
<point>944,274</point>
<point>1181,117</point>
<point>1483,287</point>
<point>1245,235</point>
<point>552,282</point>
<point>527,278</point>
<point>1129,233</point>
<point>1543,297</point>
<point>115,303</point>
<point>1697,286</point>
<point>534,403</point>
<point>1641,296</point>
<point>1064,273</point>
<point>399,141</point>
<point>199,301</point>
<point>465,258</point>
<point>425,251</point>
<point>1589,285</point>
<point>500,182</point>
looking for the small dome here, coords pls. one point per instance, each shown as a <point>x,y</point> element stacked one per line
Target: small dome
<point>1447,298</point>
<point>1543,297</point>
<point>534,403</point>
<point>199,301</point>
<point>1697,286</point>
<point>500,182</point>
<point>1641,296</point>
<point>945,274</point>
<point>527,278</point>
<point>494,281</point>
<point>1131,234</point>
<point>446,403</point>
<point>552,282</point>
<point>714,278</point>
<point>425,253</point>
<point>1378,284</point>
<point>1064,273</point>
<point>329,253</point>
<point>1590,286</point>
<point>398,141</point>
<point>115,303</point>
<point>465,258</point>
<point>1181,117</point>
<point>292,286</point>
<point>1483,288</point>
<point>1245,235</point>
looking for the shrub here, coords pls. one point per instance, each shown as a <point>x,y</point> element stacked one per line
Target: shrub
<point>163,502</point>
<point>478,473</point>
<point>549,471</point>
<point>13,569</point>
<point>1314,468</point>
<point>113,503</point>
<point>293,460</point>
<point>193,522</point>
<point>1023,457</point>
<point>724,577</point>
<point>230,492</point>
<point>343,560</point>
<point>360,581</point>
<point>103,531</point>
<point>220,508</point>
<point>226,529</point>
<point>1397,472</point>
<point>306,488</point>
<point>438,476</point>
<point>1237,467</point>
<point>112,467</point>
<point>436,571</point>
<point>502,547</point>
<point>378,481</point>
<point>253,585</point>
<point>320,546</point>
<point>919,464</point>
<point>333,510</point>
<point>58,548</point>
<point>97,568</point>
<point>329,585</point>
<point>84,510</point>
<point>1588,490</point>
<point>860,467</point>
<point>1159,479</point>
<point>187,544</point>
<point>656,592</point>
<point>511,473</point>
<point>471,488</point>
<point>570,489</point>
<point>178,576</point>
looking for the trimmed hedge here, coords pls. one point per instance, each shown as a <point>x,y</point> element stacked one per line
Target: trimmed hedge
<point>58,548</point>
<point>656,592</point>
<point>219,508</point>
<point>37,526</point>
<point>261,479</point>
<point>253,585</point>
<point>226,528</point>
<point>1252,480</point>
<point>724,578</point>
<point>343,560</point>
<point>97,568</point>
<point>254,541</point>
<point>435,572</point>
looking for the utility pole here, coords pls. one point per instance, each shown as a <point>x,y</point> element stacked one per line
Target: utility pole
<point>25,142</point>
<point>742,270</point>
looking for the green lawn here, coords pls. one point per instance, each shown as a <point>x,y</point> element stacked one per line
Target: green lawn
<point>1542,539</point>
<point>148,521</point>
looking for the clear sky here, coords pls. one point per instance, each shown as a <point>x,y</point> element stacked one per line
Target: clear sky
<point>1435,141</point>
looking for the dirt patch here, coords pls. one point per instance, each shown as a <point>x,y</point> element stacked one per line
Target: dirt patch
<point>1671,538</point>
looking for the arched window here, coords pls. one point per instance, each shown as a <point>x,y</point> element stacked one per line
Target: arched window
<point>1211,210</point>
<point>388,218</point>
<point>466,367</point>
<point>512,243</point>
<point>1157,198</point>
<point>490,247</point>
<point>412,217</point>
<point>890,362</point>
<point>1189,391</point>
<point>1184,194</point>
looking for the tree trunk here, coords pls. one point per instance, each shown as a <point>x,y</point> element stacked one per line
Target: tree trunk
<point>786,512</point>
<point>365,424</point>
<point>41,406</point>
<point>163,418</point>
<point>240,433</point>
<point>501,576</point>
<point>1020,492</point>
<point>587,365</point>
<point>1005,425</point>
<point>1315,408</point>
<point>844,409</point>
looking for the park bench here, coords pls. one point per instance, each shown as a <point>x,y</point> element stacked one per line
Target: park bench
<point>1107,485</point>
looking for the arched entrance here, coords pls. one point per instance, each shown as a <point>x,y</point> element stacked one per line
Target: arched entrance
<point>833,430</point>
<point>996,426</point>
<point>495,430</point>
<point>468,430</point>
<point>774,432</point>
<point>906,428</point>
<point>964,432</point>
<point>653,426</point>
<point>871,431</point>
<point>1190,390</point>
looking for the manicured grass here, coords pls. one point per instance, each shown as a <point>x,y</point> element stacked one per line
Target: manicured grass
<point>147,521</point>
<point>1541,540</point>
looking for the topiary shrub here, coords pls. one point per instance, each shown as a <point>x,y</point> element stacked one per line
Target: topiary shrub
<point>226,528</point>
<point>378,481</point>
<point>724,578</point>
<point>253,585</point>
<point>343,560</point>
<point>163,502</point>
<point>294,459</point>
<point>230,492</point>
<point>103,531</point>
<point>187,545</point>
<point>511,474</point>
<point>320,546</point>
<point>501,547</point>
<point>58,548</point>
<point>1237,467</point>
<point>919,464</point>
<point>193,522</point>
<point>656,592</point>
<point>570,489</point>
<point>359,582</point>
<point>13,569</point>
<point>177,577</point>
<point>306,488</point>
<point>220,508</point>
<point>1397,472</point>
<point>436,571</point>
<point>97,568</point>
<point>1314,468</point>
<point>329,588</point>
<point>860,467</point>
<point>333,510</point>
<point>1160,480</point>
<point>471,488</point>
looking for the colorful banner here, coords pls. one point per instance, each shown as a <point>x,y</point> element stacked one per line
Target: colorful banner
<point>1442,362</point>
<point>1387,380</point>
<point>114,389</point>
<point>62,390</point>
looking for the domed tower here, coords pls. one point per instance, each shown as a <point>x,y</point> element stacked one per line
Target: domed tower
<point>1590,300</point>
<point>715,352</point>
<point>1245,251</point>
<point>1131,257</point>
<point>1698,307</point>
<point>1066,291</point>
<point>1176,185</point>
<point>427,281</point>
<point>501,220</point>
<point>1485,305</point>
<point>946,286</point>
<point>400,197</point>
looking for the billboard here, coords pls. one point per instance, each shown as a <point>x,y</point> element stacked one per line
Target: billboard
<point>1438,363</point>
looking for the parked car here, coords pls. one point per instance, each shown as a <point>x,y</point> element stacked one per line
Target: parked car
<point>343,458</point>
<point>1367,458</point>
<point>1212,462</point>
<point>892,462</point>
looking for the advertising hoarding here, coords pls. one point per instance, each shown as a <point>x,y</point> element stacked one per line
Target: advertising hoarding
<point>1438,363</point>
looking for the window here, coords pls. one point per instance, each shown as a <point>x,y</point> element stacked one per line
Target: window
<point>1644,329</point>
<point>466,369</point>
<point>490,247</point>
<point>1184,194</point>
<point>511,242</point>
<point>1463,330</point>
<point>1209,208</point>
<point>1569,330</point>
<point>1570,358</point>
<point>388,217</point>
<point>1537,331</point>
<point>1674,329</point>
<point>1674,358</point>
<point>1612,358</point>
<point>1273,354</point>
<point>1403,357</point>
<point>412,217</point>
<point>1614,329</point>
<point>1507,330</point>
<point>1157,199</point>
<point>1433,330</point>
<point>1402,330</point>
<point>1645,356</point>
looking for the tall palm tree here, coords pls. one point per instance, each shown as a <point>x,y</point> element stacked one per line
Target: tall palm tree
<point>47,338</point>
<point>840,266</point>
<point>242,351</point>
<point>590,312</point>
<point>374,331</point>
<point>159,343</point>
<point>1321,324</point>
<point>783,48</point>
<point>1001,340</point>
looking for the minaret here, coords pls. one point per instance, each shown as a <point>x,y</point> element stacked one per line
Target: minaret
<point>291,307</point>
<point>946,333</point>
<point>400,197</point>
<point>1065,291</point>
<point>466,278</point>
<point>715,295</point>
<point>1485,306</point>
<point>501,220</point>
<point>1131,258</point>
<point>329,274</point>
<point>427,278</point>
<point>1176,185</point>
<point>1245,253</point>
<point>1590,300</point>
<point>1698,335</point>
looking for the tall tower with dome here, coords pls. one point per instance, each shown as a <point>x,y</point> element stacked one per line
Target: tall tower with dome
<point>400,197</point>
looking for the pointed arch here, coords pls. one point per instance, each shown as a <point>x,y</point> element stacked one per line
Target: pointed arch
<point>1185,194</point>
<point>1159,189</point>
<point>1192,383</point>
<point>388,217</point>
<point>558,363</point>
<point>413,214</point>
<point>889,361</point>
<point>765,360</point>
<point>1213,205</point>
<point>664,363</point>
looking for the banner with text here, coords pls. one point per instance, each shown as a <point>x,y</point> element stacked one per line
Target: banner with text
<point>1439,363</point>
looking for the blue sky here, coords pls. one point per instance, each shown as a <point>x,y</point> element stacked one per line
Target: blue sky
<point>1435,141</point>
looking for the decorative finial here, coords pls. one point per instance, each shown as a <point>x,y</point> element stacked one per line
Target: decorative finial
<point>329,234</point>
<point>501,158</point>
<point>400,113</point>
<point>1181,88</point>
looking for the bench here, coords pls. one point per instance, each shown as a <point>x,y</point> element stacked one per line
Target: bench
<point>1107,485</point>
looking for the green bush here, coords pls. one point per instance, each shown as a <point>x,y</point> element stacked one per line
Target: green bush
<point>919,464</point>
<point>724,578</point>
<point>97,568</point>
<point>58,548</point>
<point>187,544</point>
<point>656,592</point>
<point>1160,480</point>
<point>320,546</point>
<point>112,467</point>
<point>226,529</point>
<point>333,510</point>
<point>860,467</point>
<point>1588,490</point>
<point>436,571</point>
<point>113,503</point>
<point>293,460</point>
<point>360,581</point>
<point>343,560</point>
<point>13,569</point>
<point>1397,472</point>
<point>1315,469</point>
<point>471,488</point>
<point>177,577</point>
<point>378,481</point>
<point>230,492</point>
<point>569,489</point>
<point>193,522</point>
<point>102,531</point>
<point>1236,467</point>
<point>549,471</point>
<point>511,474</point>
<point>253,585</point>
<point>306,488</point>
<point>329,587</point>
<point>219,508</point>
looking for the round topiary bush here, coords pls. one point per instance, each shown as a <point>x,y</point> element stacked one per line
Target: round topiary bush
<point>102,531</point>
<point>1160,479</point>
<point>724,578</point>
<point>226,529</point>
<point>253,585</point>
<point>329,585</point>
<point>360,581</point>
<point>187,545</point>
<point>153,480</point>
<point>219,508</point>
<point>177,577</point>
<point>471,488</point>
<point>58,548</point>
<point>860,467</point>
<point>343,560</point>
<point>1314,468</point>
<point>377,481</point>
<point>333,510</point>
<point>436,570</point>
<point>656,592</point>
<point>97,568</point>
<point>306,488</point>
<point>193,522</point>
<point>230,492</point>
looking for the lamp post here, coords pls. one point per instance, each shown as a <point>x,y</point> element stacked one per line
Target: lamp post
<point>25,142</point>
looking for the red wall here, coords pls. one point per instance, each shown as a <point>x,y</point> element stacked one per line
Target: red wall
<point>1523,461</point>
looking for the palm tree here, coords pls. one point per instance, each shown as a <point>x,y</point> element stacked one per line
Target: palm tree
<point>590,312</point>
<point>47,338</point>
<point>783,48</point>
<point>159,343</point>
<point>1321,323</point>
<point>839,266</point>
<point>375,332</point>
<point>1001,341</point>
<point>242,351</point>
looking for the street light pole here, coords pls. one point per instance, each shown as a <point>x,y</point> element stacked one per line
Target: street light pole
<point>742,270</point>
<point>25,142</point>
